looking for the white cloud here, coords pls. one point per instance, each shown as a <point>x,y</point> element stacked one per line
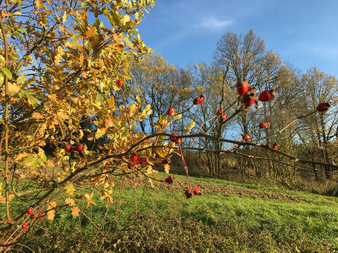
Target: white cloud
<point>213,24</point>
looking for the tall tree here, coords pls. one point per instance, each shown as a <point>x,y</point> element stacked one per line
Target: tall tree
<point>318,131</point>
<point>160,84</point>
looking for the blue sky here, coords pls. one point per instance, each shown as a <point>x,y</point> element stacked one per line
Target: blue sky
<point>304,33</point>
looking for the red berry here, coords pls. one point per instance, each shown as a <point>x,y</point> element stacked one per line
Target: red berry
<point>202,99</point>
<point>196,101</point>
<point>79,148</point>
<point>133,157</point>
<point>30,211</point>
<point>165,161</point>
<point>264,125</point>
<point>246,137</point>
<point>171,111</point>
<point>224,116</point>
<point>275,146</point>
<point>169,179</point>
<point>323,107</point>
<point>119,82</point>
<point>189,193</point>
<point>24,226</point>
<point>249,99</point>
<point>197,191</point>
<point>32,216</point>
<point>219,111</point>
<point>242,87</point>
<point>142,160</point>
<point>173,139</point>
<point>267,95</point>
<point>69,148</point>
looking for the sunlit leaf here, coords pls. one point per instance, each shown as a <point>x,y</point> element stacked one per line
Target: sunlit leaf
<point>70,201</point>
<point>7,72</point>
<point>21,79</point>
<point>70,189</point>
<point>13,88</point>
<point>89,199</point>
<point>75,211</point>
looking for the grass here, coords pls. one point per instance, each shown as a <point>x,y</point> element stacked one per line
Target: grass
<point>228,217</point>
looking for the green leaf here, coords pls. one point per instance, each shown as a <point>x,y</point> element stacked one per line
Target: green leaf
<point>21,79</point>
<point>16,1</point>
<point>7,72</point>
<point>125,133</point>
<point>97,25</point>
<point>32,161</point>
<point>22,93</point>
<point>17,34</point>
<point>151,182</point>
<point>22,30</point>
<point>32,100</point>
<point>2,58</point>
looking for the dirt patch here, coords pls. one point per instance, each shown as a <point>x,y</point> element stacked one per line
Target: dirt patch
<point>225,190</point>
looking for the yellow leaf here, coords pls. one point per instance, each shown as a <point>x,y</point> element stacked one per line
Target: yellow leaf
<point>81,59</point>
<point>37,115</point>
<point>13,88</point>
<point>59,55</point>
<point>75,211</point>
<point>3,199</point>
<point>106,195</point>
<point>70,201</point>
<point>50,164</point>
<point>51,213</point>
<point>109,122</point>
<point>157,125</point>
<point>52,97</point>
<point>178,116</point>
<point>89,199</point>
<point>39,4</point>
<point>90,32</point>
<point>166,168</point>
<point>192,124</point>
<point>62,115</point>
<point>64,17</point>
<point>21,156</point>
<point>132,109</point>
<point>70,189</point>
<point>5,14</point>
<point>125,19</point>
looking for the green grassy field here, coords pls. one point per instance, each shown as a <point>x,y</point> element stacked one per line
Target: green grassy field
<point>228,217</point>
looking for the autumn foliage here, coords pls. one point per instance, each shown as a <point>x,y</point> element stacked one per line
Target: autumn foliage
<point>61,65</point>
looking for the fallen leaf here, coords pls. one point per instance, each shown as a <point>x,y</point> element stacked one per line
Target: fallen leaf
<point>70,201</point>
<point>75,211</point>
